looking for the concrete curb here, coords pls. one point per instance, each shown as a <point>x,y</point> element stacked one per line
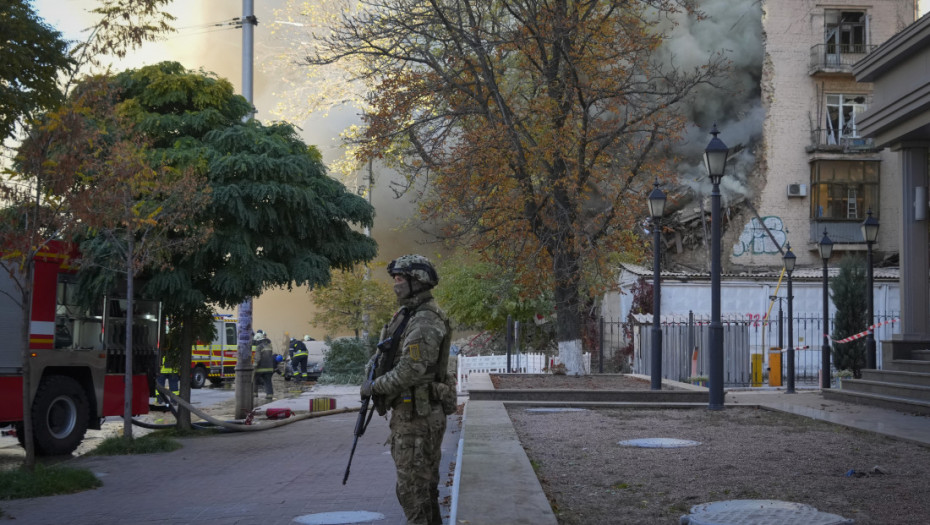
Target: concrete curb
<point>493,465</point>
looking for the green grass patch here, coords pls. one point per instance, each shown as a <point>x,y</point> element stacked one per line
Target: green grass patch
<point>148,444</point>
<point>45,481</point>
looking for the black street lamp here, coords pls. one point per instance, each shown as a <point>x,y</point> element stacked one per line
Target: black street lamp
<point>656,209</point>
<point>715,159</point>
<point>870,233</point>
<point>826,250</point>
<point>781,319</point>
<point>790,259</point>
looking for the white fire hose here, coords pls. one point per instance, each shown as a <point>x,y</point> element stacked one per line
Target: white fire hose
<point>237,426</point>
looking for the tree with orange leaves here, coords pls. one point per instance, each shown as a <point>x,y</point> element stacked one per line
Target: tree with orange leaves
<point>536,127</point>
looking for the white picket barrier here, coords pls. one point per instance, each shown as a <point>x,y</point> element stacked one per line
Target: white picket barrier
<point>497,364</point>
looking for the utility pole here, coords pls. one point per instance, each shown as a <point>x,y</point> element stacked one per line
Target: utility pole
<point>244,366</point>
<point>366,316</point>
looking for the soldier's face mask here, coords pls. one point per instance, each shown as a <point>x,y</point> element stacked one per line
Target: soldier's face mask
<point>402,288</point>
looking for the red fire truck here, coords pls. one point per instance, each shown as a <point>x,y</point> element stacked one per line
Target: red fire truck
<point>77,354</point>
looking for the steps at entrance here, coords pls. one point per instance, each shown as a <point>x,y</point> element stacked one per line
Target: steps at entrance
<point>903,385</point>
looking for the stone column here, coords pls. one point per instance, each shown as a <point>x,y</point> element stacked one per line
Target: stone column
<point>915,284</point>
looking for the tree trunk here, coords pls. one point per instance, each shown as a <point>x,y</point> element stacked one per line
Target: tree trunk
<point>184,371</point>
<point>244,365</point>
<point>26,294</point>
<point>127,391</point>
<point>567,303</point>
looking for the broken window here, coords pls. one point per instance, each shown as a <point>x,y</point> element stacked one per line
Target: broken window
<point>844,190</point>
<point>842,111</point>
<point>845,32</point>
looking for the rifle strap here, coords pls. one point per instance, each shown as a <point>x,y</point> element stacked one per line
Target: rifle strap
<point>395,338</point>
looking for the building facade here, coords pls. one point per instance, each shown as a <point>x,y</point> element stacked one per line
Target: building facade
<point>820,173</point>
<point>899,119</point>
<point>821,167</point>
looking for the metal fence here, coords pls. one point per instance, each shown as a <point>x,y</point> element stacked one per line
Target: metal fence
<point>685,344</point>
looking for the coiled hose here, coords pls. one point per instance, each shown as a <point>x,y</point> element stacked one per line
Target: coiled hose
<point>232,426</point>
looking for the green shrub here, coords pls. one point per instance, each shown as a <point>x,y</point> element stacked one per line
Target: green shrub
<point>346,360</point>
<point>849,289</point>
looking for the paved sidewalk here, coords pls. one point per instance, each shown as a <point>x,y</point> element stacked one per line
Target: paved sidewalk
<point>812,404</point>
<point>277,476</point>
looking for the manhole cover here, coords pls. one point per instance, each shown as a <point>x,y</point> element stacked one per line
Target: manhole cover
<point>339,518</point>
<point>556,409</point>
<point>659,443</point>
<point>759,511</point>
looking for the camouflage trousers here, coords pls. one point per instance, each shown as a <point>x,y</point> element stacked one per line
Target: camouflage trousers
<point>416,446</point>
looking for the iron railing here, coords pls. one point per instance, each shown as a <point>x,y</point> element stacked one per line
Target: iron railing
<point>826,139</point>
<point>685,345</point>
<point>832,58</point>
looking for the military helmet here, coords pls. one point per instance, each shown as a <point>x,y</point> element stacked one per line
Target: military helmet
<point>416,267</point>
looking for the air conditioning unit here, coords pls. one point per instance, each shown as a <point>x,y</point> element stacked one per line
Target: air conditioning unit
<point>797,190</point>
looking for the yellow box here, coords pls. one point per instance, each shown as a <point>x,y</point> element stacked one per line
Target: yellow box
<point>774,366</point>
<point>756,363</point>
<point>320,404</point>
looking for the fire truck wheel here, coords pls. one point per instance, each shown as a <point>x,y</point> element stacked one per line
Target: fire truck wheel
<point>59,416</point>
<point>198,377</point>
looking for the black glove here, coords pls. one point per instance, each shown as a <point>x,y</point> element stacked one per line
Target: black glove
<point>365,391</point>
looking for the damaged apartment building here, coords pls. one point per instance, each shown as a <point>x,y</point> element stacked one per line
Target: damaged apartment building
<point>798,166</point>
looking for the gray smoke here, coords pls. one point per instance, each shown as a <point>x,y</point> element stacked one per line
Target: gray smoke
<point>734,28</point>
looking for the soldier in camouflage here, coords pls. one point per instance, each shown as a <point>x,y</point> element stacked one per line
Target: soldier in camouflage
<point>414,386</point>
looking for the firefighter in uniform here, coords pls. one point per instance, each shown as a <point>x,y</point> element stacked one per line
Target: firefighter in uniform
<point>167,376</point>
<point>409,387</point>
<point>299,355</point>
<point>264,365</point>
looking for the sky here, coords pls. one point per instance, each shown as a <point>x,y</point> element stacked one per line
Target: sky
<point>206,39</point>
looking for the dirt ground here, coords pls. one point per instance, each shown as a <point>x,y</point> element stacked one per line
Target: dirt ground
<point>744,453</point>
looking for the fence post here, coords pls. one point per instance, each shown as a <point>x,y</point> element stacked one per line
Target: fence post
<point>600,347</point>
<point>509,340</point>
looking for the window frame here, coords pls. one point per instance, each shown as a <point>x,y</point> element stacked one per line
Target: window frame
<point>863,176</point>
<point>842,110</point>
<point>846,36</point>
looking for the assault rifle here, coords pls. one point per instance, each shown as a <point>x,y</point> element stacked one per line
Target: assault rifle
<point>363,418</point>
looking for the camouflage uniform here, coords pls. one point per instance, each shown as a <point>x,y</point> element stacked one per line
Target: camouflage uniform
<point>418,422</point>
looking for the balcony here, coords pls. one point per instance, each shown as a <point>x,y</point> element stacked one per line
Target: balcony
<point>829,140</point>
<point>837,58</point>
<point>840,232</point>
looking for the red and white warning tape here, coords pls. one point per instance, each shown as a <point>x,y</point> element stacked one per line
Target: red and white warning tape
<point>860,335</point>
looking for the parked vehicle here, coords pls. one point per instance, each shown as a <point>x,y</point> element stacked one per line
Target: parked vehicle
<point>314,370</point>
<point>77,354</point>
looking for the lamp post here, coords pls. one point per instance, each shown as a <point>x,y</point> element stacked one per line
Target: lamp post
<point>656,209</point>
<point>826,250</point>
<point>715,159</point>
<point>789,258</point>
<point>781,319</point>
<point>870,233</point>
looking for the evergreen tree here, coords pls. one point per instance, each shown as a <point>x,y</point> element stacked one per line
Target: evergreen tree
<point>848,291</point>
